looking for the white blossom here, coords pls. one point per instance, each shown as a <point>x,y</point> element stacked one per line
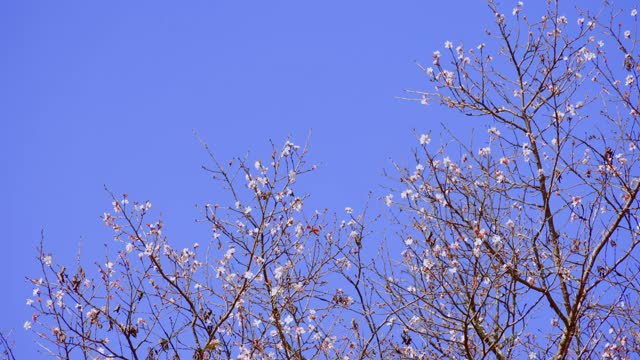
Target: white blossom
<point>299,230</point>
<point>526,151</point>
<point>630,79</point>
<point>576,200</point>
<point>485,151</point>
<point>388,200</point>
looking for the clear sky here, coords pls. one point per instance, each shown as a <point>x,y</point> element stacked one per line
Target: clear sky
<point>96,93</point>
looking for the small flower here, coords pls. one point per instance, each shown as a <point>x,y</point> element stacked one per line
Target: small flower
<point>448,44</point>
<point>279,272</point>
<point>406,193</point>
<point>148,249</point>
<point>627,34</point>
<point>485,151</point>
<point>47,260</point>
<point>348,210</point>
<point>634,12</point>
<point>299,230</point>
<point>425,139</point>
<point>300,330</point>
<point>436,57</point>
<point>93,314</point>
<point>586,54</point>
<point>629,80</point>
<point>388,200</point>
<point>526,151</point>
<point>288,320</point>
<point>576,200</point>
<point>27,325</point>
<point>297,204</point>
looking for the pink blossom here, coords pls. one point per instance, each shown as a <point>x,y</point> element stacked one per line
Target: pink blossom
<point>576,200</point>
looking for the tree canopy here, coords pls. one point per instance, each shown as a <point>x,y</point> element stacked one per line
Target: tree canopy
<point>520,244</point>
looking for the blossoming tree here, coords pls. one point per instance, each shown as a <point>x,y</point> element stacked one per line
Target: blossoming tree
<point>527,245</point>
<point>524,246</point>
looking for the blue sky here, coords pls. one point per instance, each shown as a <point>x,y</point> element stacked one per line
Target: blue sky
<point>109,93</point>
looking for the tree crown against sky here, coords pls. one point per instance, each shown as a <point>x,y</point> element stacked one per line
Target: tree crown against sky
<point>521,245</point>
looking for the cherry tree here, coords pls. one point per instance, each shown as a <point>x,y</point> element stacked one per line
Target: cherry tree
<point>527,243</point>
<point>524,245</point>
<point>259,289</point>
